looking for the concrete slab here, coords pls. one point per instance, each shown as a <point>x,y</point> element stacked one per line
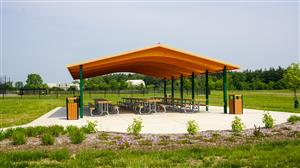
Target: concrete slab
<point>162,123</point>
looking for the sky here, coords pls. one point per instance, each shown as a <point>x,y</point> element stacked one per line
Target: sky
<point>44,36</point>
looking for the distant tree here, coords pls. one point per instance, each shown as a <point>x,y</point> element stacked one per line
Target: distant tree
<point>34,81</point>
<point>72,88</point>
<point>19,85</point>
<point>292,80</point>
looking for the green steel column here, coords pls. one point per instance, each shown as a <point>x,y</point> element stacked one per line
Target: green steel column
<point>206,89</point>
<point>165,90</point>
<point>225,88</point>
<point>181,89</point>
<point>193,90</point>
<point>81,91</point>
<point>172,91</point>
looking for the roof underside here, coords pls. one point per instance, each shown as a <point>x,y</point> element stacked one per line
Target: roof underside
<point>157,61</point>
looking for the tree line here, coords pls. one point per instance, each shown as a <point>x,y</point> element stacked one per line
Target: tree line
<point>260,79</point>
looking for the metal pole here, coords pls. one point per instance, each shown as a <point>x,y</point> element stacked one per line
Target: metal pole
<point>181,89</point>
<point>206,89</point>
<point>81,91</point>
<point>225,88</point>
<point>172,91</point>
<point>165,90</point>
<point>193,90</point>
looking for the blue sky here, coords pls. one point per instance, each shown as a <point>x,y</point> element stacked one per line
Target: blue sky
<point>42,37</point>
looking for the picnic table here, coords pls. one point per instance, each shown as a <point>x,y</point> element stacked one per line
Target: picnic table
<point>102,105</point>
<point>134,103</point>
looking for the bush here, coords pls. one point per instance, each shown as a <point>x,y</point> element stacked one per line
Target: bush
<point>55,130</point>
<point>293,119</point>
<point>71,128</point>
<point>47,139</point>
<point>90,127</point>
<point>268,120</point>
<point>136,127</point>
<point>76,135</point>
<point>237,125</point>
<point>35,131</point>
<point>192,127</point>
<point>2,135</point>
<point>9,132</point>
<point>18,137</point>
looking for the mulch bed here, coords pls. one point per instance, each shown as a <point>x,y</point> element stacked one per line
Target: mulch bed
<point>115,141</point>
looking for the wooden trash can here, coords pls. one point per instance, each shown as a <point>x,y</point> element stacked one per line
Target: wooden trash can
<point>72,105</point>
<point>235,104</point>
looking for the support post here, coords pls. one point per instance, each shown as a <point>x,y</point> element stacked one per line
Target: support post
<point>165,90</point>
<point>206,89</point>
<point>225,88</point>
<point>172,95</point>
<point>81,91</point>
<point>181,89</point>
<point>193,90</point>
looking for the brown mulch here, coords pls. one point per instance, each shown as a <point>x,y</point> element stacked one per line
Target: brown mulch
<point>114,141</point>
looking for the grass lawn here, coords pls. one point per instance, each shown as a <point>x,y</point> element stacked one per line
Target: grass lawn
<point>267,154</point>
<point>17,111</point>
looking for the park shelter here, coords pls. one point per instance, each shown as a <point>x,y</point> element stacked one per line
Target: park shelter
<point>158,61</point>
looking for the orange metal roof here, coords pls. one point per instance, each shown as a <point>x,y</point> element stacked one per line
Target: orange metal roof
<point>157,61</point>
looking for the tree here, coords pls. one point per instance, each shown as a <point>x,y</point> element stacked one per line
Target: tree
<point>19,85</point>
<point>292,80</point>
<point>34,81</point>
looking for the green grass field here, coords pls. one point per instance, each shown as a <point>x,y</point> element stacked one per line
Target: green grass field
<point>268,154</point>
<point>17,111</point>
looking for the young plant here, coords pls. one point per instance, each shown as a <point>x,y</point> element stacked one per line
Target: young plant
<point>90,127</point>
<point>268,120</point>
<point>136,127</point>
<point>18,138</point>
<point>192,127</point>
<point>293,119</point>
<point>48,139</point>
<point>35,131</point>
<point>55,130</point>
<point>2,135</point>
<point>9,132</point>
<point>257,132</point>
<point>76,135</point>
<point>237,125</point>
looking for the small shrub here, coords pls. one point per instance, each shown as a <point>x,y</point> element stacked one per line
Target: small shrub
<point>9,132</point>
<point>257,132</point>
<point>18,138</point>
<point>103,136</point>
<point>35,131</point>
<point>55,130</point>
<point>268,120</point>
<point>293,119</point>
<point>136,127</point>
<point>90,127</point>
<point>71,128</point>
<point>2,135</point>
<point>47,139</point>
<point>60,155</point>
<point>76,135</point>
<point>237,125</point>
<point>192,127</point>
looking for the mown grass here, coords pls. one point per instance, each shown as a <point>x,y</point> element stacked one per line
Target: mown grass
<point>17,111</point>
<point>268,154</point>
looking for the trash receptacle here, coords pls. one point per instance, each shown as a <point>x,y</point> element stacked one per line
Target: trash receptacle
<point>72,104</point>
<point>235,104</point>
